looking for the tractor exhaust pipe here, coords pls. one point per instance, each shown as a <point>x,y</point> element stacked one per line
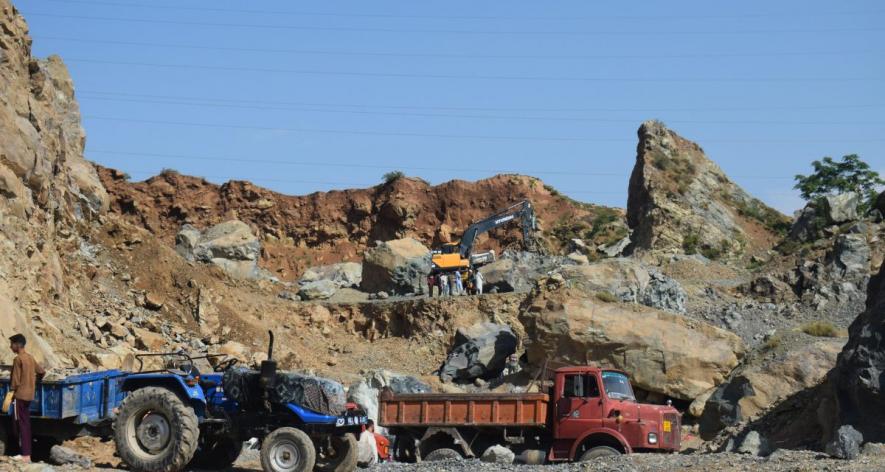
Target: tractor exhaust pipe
<point>270,346</point>
<point>267,376</point>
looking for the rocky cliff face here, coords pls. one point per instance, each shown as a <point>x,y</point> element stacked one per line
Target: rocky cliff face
<point>681,201</point>
<point>330,227</point>
<point>859,376</point>
<point>47,190</point>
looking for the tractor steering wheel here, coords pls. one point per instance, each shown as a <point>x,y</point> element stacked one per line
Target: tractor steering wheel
<point>226,364</point>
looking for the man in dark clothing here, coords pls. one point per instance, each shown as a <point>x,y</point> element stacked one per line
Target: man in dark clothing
<point>25,371</point>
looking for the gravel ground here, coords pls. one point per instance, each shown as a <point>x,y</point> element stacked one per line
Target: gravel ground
<point>873,459</point>
<point>779,461</point>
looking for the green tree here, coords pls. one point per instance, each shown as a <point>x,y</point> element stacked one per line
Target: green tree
<point>831,177</point>
<point>393,175</point>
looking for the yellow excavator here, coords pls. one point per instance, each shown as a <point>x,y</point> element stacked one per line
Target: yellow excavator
<point>459,256</point>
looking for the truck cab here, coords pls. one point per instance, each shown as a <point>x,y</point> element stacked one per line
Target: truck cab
<point>594,413</point>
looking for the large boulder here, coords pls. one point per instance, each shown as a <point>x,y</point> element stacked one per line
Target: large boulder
<point>479,352</point>
<point>324,281</point>
<point>851,256</point>
<point>365,391</point>
<point>517,271</point>
<point>842,207</point>
<point>681,201</point>
<point>230,245</point>
<point>344,274</point>
<point>631,281</point>
<point>859,377</point>
<point>666,353</point>
<point>400,266</point>
<point>767,379</point>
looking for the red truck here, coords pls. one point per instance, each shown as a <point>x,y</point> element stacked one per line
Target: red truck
<point>593,413</point>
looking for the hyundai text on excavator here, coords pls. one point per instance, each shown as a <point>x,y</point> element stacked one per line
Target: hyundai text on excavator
<point>459,256</point>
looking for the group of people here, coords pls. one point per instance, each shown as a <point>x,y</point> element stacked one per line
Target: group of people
<point>455,283</point>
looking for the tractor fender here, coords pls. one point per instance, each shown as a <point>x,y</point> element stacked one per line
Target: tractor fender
<point>193,396</point>
<point>310,417</point>
<point>608,434</point>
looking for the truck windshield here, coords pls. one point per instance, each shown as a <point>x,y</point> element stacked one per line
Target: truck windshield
<point>617,386</point>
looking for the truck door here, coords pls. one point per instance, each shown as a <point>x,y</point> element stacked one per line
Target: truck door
<point>580,406</point>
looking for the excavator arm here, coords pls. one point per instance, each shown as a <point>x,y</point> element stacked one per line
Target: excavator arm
<point>522,211</point>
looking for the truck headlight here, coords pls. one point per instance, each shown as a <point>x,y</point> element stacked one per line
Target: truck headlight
<point>652,438</point>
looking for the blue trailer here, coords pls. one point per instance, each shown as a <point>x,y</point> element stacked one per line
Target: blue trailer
<point>73,406</point>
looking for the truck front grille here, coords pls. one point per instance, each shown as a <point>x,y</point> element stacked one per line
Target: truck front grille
<point>672,438</point>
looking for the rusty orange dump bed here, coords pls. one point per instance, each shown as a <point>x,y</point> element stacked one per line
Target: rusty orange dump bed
<point>443,409</point>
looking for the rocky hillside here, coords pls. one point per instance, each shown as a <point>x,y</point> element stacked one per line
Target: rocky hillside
<point>681,201</point>
<point>329,227</point>
<point>48,192</point>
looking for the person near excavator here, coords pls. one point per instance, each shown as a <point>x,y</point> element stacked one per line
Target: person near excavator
<point>443,285</point>
<point>459,283</point>
<point>23,384</point>
<point>478,280</point>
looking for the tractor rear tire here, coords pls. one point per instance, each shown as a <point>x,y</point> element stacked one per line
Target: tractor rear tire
<point>287,450</point>
<point>442,454</point>
<point>597,452</point>
<point>346,453</point>
<point>219,454</point>
<point>155,431</point>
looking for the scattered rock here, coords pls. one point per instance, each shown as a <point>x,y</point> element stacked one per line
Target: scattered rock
<point>516,271</point>
<point>318,289</point>
<point>754,444</point>
<point>630,281</point>
<point>230,245</point>
<point>398,266</point>
<point>846,444</point>
<point>498,454</point>
<point>365,391</point>
<point>345,274</point>
<point>478,352</point>
<point>60,455</point>
<point>841,208</point>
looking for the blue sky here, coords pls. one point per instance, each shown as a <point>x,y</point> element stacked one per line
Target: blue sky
<point>308,96</point>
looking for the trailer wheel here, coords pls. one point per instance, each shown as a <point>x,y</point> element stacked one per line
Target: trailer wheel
<point>442,454</point>
<point>219,454</point>
<point>287,450</point>
<point>155,431</point>
<point>599,451</point>
<point>342,457</point>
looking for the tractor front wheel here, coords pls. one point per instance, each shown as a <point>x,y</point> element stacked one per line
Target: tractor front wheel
<point>287,450</point>
<point>155,431</point>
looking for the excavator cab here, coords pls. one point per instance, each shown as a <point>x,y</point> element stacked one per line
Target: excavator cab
<point>448,258</point>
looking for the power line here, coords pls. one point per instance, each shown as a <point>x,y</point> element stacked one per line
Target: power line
<point>482,77</point>
<point>447,17</point>
<point>485,117</point>
<point>716,32</point>
<point>507,109</point>
<point>385,167</point>
<point>460,56</point>
<point>434,135</point>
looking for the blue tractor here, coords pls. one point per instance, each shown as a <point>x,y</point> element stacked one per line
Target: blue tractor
<point>178,417</point>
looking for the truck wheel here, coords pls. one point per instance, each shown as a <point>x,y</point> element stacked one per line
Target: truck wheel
<point>155,431</point>
<point>342,457</point>
<point>442,454</point>
<point>287,450</point>
<point>599,451</point>
<point>217,455</point>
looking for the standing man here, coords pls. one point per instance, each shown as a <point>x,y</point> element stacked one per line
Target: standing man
<point>459,283</point>
<point>477,282</point>
<point>443,285</point>
<point>25,371</point>
<point>367,450</point>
